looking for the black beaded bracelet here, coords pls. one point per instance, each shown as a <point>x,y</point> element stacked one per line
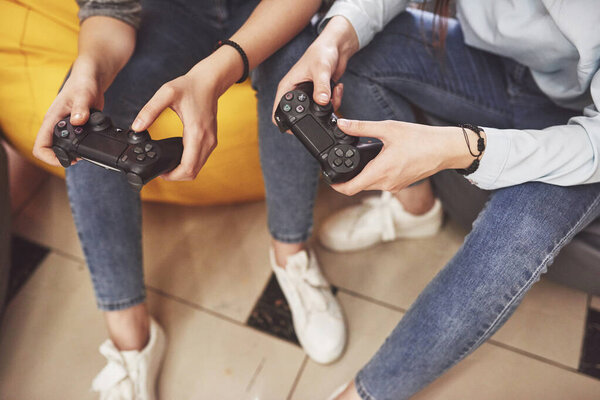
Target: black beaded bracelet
<point>242,53</point>
<point>480,148</point>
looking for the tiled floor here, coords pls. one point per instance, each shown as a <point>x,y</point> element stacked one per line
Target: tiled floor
<point>204,279</point>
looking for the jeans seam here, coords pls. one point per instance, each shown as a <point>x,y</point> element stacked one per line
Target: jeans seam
<point>362,391</point>
<point>543,264</point>
<point>292,238</point>
<point>79,233</point>
<point>121,304</point>
<point>379,96</point>
<point>304,236</point>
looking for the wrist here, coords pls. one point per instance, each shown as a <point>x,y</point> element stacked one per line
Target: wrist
<point>226,66</point>
<point>86,70</point>
<point>340,32</point>
<point>94,69</point>
<point>456,151</point>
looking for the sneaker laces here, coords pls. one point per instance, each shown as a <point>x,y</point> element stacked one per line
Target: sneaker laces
<point>116,381</point>
<point>385,210</point>
<point>307,281</point>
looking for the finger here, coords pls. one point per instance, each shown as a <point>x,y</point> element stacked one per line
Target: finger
<point>375,129</point>
<point>369,177</point>
<point>162,99</point>
<point>322,87</point>
<point>339,71</point>
<point>187,166</point>
<point>336,98</point>
<point>42,147</point>
<point>80,112</point>
<point>198,142</point>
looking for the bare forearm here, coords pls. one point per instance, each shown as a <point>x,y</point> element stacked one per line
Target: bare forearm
<point>270,26</point>
<point>105,46</point>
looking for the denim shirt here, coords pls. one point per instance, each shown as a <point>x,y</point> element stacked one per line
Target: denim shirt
<point>559,40</point>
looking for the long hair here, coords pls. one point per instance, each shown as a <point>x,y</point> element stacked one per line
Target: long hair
<point>442,10</point>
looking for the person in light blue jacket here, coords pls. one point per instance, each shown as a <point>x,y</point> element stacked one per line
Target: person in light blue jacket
<point>525,77</point>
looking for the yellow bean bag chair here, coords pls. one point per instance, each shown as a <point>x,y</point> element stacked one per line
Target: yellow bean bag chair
<point>38,43</point>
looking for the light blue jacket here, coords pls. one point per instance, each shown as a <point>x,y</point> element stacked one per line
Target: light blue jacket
<point>559,40</point>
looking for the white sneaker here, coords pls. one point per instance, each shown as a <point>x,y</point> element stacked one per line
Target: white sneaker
<point>131,375</point>
<point>316,313</point>
<point>377,219</point>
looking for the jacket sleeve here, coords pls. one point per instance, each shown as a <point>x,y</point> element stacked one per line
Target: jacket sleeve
<point>128,11</point>
<point>563,155</point>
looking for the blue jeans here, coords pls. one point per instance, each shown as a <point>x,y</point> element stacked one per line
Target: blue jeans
<point>517,235</point>
<point>173,37</point>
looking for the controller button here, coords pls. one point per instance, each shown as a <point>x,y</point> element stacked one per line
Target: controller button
<point>141,157</point>
<point>301,97</point>
<point>64,133</point>
<point>138,150</point>
<point>148,147</point>
<point>337,162</point>
<point>62,124</point>
<point>292,119</point>
<point>78,130</point>
<point>289,96</point>
<point>324,156</point>
<point>339,153</point>
<point>118,130</point>
<point>348,163</point>
<point>349,153</point>
<point>300,109</point>
<point>287,108</point>
<point>124,158</point>
<point>151,154</point>
<point>75,142</point>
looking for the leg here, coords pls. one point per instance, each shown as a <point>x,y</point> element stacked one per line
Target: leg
<point>399,69</point>
<point>460,85</point>
<point>291,176</point>
<point>290,172</point>
<point>171,39</point>
<point>107,213</point>
<point>513,241</point>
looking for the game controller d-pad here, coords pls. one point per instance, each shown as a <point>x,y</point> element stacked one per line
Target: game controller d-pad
<point>341,156</point>
<point>134,154</point>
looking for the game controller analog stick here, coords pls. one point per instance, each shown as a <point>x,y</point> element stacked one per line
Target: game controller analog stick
<point>320,110</point>
<point>134,154</point>
<point>341,156</point>
<point>99,121</point>
<point>138,137</point>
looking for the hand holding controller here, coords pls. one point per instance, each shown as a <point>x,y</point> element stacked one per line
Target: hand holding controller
<point>135,154</point>
<point>341,156</point>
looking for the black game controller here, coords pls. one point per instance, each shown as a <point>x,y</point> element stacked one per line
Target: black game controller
<point>135,154</point>
<point>341,156</point>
